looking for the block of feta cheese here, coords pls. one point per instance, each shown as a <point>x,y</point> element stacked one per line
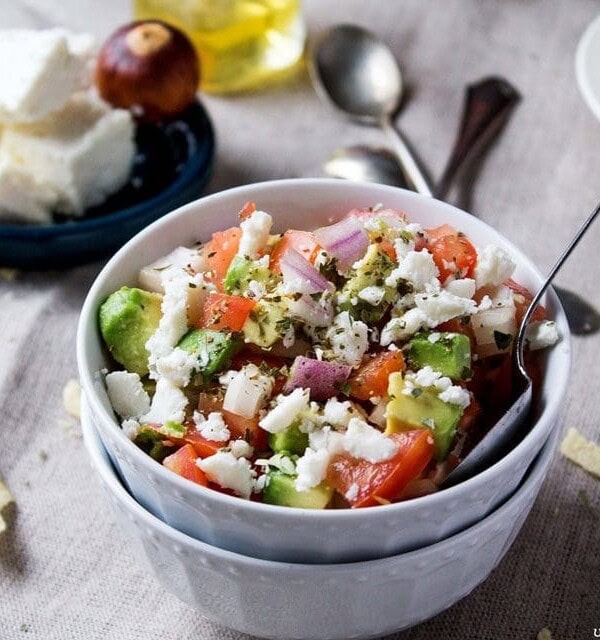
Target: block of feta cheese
<point>40,70</point>
<point>21,198</point>
<point>82,153</point>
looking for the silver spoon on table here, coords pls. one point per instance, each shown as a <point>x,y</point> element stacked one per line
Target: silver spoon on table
<point>356,72</point>
<point>487,106</point>
<point>505,432</point>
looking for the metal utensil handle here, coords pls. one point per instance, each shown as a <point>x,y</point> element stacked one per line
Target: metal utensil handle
<point>487,105</point>
<point>520,345</point>
<point>411,170</point>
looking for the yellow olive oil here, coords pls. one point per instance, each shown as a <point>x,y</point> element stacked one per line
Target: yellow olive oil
<point>241,43</point>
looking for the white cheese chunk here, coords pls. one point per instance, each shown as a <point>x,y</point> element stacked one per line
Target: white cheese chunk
<point>241,449</point>
<point>403,327</point>
<point>22,199</point>
<point>152,276</point>
<point>212,427</point>
<point>127,394</point>
<point>311,469</point>
<point>286,411</point>
<point>339,413</point>
<point>463,287</point>
<point>542,334</point>
<point>40,70</point>
<point>168,403</point>
<point>349,339</point>
<point>456,395</point>
<point>177,366</point>
<point>255,234</point>
<point>131,428</point>
<point>83,153</point>
<point>494,266</point>
<point>372,295</point>
<point>247,392</point>
<point>229,472</point>
<point>361,440</point>
<point>439,306</point>
<point>417,268</point>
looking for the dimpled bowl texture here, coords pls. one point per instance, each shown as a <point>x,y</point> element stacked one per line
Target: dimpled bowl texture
<point>282,600</point>
<point>300,535</point>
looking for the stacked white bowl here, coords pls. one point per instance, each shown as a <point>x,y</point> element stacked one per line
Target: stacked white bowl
<point>280,572</point>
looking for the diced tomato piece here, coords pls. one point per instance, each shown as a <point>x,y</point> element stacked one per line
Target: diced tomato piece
<point>454,255</point>
<point>388,248</point>
<point>247,210</point>
<point>382,481</point>
<point>439,232</point>
<point>523,298</point>
<point>301,241</point>
<point>219,253</point>
<point>372,377</point>
<point>203,447</point>
<point>222,311</point>
<point>183,463</point>
<point>246,428</point>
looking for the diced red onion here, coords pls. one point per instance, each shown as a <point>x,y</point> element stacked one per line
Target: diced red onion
<point>311,312</point>
<point>298,271</point>
<point>346,240</point>
<point>323,379</point>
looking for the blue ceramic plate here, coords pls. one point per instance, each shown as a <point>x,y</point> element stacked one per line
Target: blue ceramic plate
<point>171,168</point>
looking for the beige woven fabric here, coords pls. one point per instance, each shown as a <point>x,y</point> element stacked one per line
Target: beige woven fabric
<point>65,569</point>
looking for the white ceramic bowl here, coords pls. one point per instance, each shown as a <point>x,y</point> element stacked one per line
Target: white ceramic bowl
<point>283,600</point>
<point>280,533</point>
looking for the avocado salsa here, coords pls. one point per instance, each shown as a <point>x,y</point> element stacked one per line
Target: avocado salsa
<point>349,366</point>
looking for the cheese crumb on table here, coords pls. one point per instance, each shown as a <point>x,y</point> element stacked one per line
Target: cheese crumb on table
<point>578,449</point>
<point>71,397</point>
<point>5,499</point>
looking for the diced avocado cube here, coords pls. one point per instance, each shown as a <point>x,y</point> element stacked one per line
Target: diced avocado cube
<point>152,440</point>
<point>242,270</point>
<point>448,353</point>
<point>422,408</point>
<point>267,323</point>
<point>128,318</point>
<point>213,349</point>
<point>372,272</point>
<point>291,440</point>
<point>281,490</point>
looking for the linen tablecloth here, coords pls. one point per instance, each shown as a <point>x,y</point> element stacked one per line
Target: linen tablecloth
<point>65,569</point>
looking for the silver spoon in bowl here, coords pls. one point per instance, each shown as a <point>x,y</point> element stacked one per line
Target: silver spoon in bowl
<point>505,432</point>
<point>356,72</point>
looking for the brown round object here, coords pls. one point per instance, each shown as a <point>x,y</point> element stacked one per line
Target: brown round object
<point>148,66</point>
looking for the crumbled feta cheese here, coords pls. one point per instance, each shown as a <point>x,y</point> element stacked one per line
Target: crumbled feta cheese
<point>339,413</point>
<point>247,391</point>
<point>131,428</point>
<point>416,268</point>
<point>325,438</point>
<point>173,322</point>
<point>229,472</point>
<point>404,245</point>
<point>127,394</point>
<point>463,287</point>
<point>260,483</point>
<point>425,377</point>
<point>494,266</point>
<point>352,492</point>
<point>485,304</point>
<point>278,461</point>
<point>168,403</point>
<point>227,377</point>
<point>456,395</point>
<point>434,337</point>
<point>348,338</point>
<point>542,334</point>
<point>182,258</point>
<point>285,411</point>
<point>440,306</point>
<point>256,290</point>
<point>372,295</point>
<point>311,469</point>
<point>405,302</point>
<point>403,327</point>
<point>361,440</point>
<point>255,234</point>
<point>241,449</point>
<point>213,427</point>
<point>178,367</point>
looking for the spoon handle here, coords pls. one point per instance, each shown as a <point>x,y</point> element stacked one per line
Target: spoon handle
<point>488,103</point>
<point>411,170</point>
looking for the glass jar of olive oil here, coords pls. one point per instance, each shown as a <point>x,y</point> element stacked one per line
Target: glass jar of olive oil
<point>242,44</point>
